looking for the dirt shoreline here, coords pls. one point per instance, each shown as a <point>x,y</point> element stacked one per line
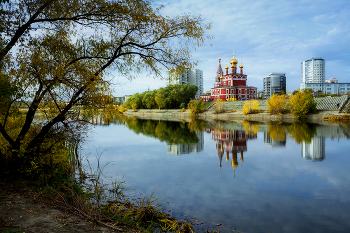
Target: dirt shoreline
<point>177,114</point>
<point>25,210</point>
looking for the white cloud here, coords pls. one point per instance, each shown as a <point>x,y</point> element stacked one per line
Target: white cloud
<point>268,37</point>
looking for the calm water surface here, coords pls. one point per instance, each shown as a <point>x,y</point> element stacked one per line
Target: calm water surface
<point>251,177</point>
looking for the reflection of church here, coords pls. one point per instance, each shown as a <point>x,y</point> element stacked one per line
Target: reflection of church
<point>231,141</point>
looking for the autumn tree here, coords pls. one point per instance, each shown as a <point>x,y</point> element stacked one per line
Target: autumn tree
<point>302,104</point>
<point>61,55</point>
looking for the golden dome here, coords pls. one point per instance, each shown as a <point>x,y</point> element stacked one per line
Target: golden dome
<point>233,62</point>
<point>234,163</point>
<point>241,66</point>
<point>226,67</point>
<point>221,78</point>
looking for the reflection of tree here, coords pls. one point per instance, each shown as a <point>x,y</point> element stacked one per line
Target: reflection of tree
<point>196,125</point>
<point>167,131</point>
<point>251,127</point>
<point>301,131</point>
<point>277,131</point>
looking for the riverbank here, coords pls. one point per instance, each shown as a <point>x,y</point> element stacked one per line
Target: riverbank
<point>178,114</point>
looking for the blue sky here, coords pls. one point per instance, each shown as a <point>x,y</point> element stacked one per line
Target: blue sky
<point>267,36</point>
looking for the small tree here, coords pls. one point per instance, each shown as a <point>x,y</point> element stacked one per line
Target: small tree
<point>219,106</point>
<point>251,107</point>
<point>195,107</point>
<point>277,104</point>
<point>302,103</point>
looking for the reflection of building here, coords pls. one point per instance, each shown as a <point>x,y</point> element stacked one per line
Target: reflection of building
<point>190,76</point>
<point>231,85</point>
<point>274,83</point>
<point>99,120</point>
<point>315,150</point>
<point>231,141</point>
<point>187,149</point>
<point>274,143</point>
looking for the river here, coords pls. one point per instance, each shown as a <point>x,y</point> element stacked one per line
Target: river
<point>243,176</point>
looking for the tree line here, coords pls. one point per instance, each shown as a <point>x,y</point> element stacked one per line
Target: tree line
<point>173,96</point>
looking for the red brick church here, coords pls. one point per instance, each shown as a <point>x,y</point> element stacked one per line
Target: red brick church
<point>230,85</point>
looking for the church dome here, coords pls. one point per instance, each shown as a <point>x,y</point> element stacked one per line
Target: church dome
<point>233,62</point>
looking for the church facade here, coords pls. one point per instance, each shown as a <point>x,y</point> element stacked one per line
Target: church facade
<point>230,85</point>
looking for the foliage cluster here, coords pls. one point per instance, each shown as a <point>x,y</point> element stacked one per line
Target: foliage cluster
<point>302,103</point>
<point>277,104</point>
<point>195,107</point>
<point>219,106</point>
<point>173,96</point>
<point>56,58</point>
<point>251,107</point>
<point>345,118</point>
<point>299,104</point>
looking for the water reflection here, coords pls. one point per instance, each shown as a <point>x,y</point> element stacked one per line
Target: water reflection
<point>315,150</point>
<point>276,190</point>
<point>231,141</point>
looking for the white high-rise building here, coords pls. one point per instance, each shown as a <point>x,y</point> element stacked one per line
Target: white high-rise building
<point>190,76</point>
<point>313,70</point>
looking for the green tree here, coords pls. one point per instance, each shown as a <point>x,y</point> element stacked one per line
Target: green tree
<point>66,50</point>
<point>302,103</point>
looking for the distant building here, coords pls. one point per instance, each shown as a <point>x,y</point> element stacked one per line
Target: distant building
<point>313,77</point>
<point>121,99</point>
<point>190,76</point>
<point>327,88</point>
<point>233,85</point>
<point>274,83</point>
<point>313,70</point>
<point>332,80</point>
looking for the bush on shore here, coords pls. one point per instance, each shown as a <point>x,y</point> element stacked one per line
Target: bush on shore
<point>302,103</point>
<point>277,104</point>
<point>195,107</point>
<point>251,107</point>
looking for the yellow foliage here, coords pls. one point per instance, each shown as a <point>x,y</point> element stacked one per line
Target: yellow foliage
<point>277,104</point>
<point>231,99</point>
<point>251,107</point>
<point>251,127</point>
<point>219,106</point>
<point>302,103</point>
<point>195,107</point>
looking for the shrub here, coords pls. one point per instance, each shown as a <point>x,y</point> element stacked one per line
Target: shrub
<point>219,106</point>
<point>195,107</point>
<point>277,104</point>
<point>302,103</point>
<point>251,107</point>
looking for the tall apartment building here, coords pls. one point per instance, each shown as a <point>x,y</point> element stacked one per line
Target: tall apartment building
<point>274,83</point>
<point>313,77</point>
<point>190,76</point>
<point>313,70</point>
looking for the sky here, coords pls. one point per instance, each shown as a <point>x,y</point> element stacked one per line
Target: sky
<point>267,37</point>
